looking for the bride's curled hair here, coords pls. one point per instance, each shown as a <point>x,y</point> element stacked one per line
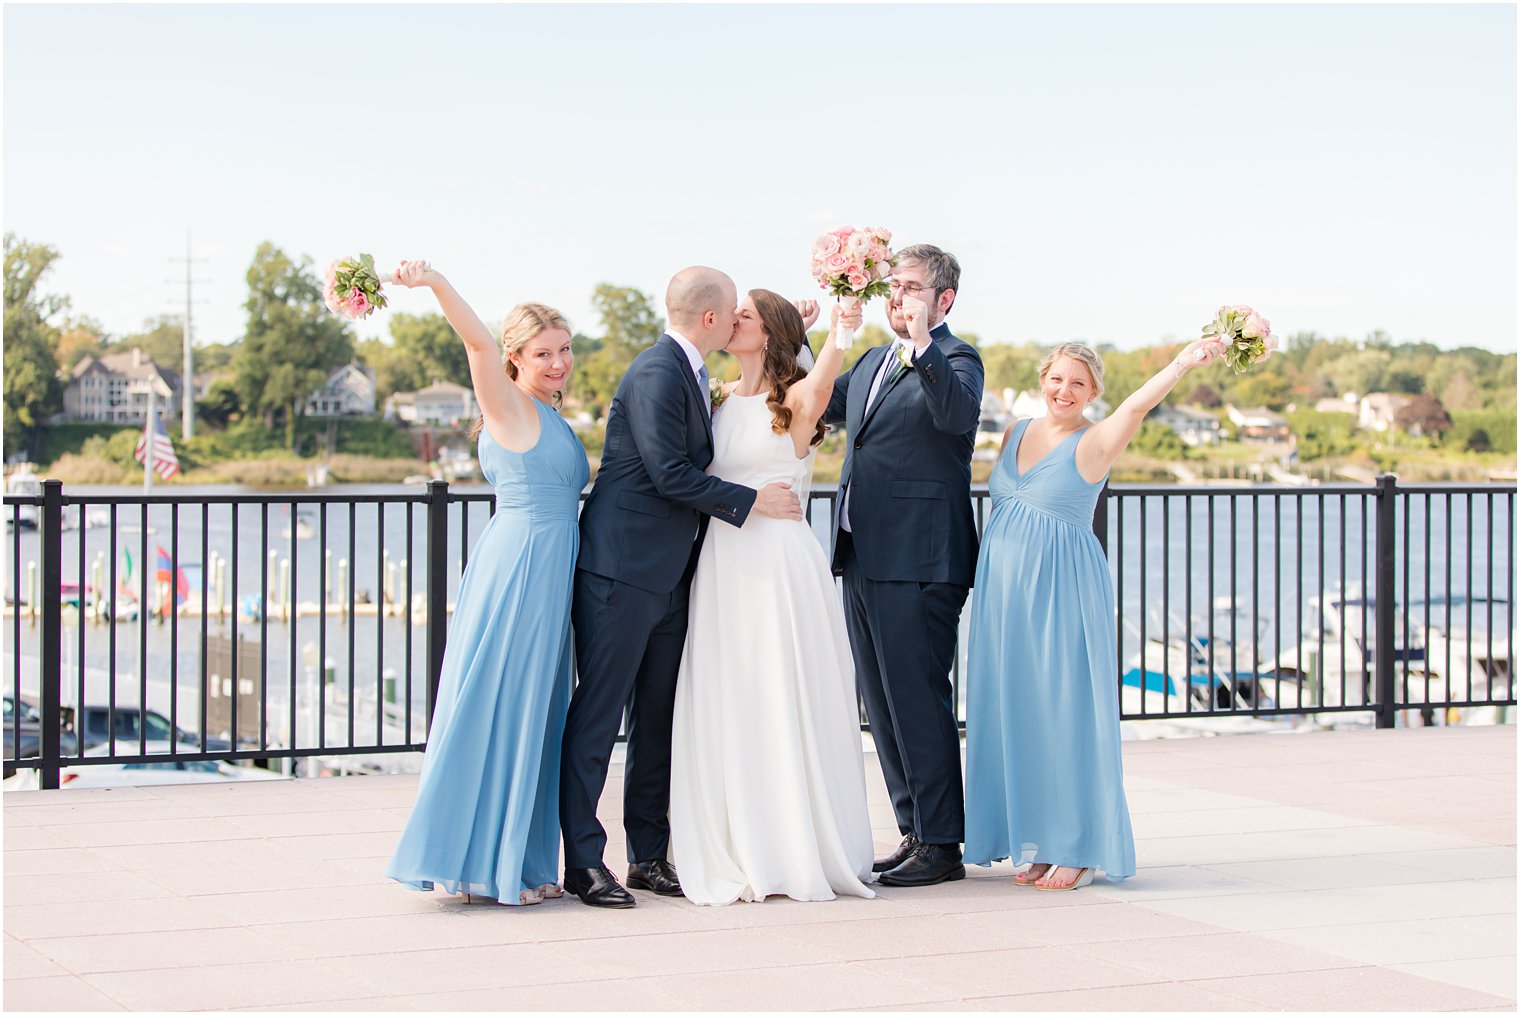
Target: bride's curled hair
<point>784,339</point>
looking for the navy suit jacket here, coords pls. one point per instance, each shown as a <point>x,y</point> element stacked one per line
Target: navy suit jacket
<point>907,463</point>
<point>651,499</point>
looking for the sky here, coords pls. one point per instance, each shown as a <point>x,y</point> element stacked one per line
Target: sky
<point>1103,173</point>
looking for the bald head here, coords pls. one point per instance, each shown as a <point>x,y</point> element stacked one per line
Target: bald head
<point>700,304</point>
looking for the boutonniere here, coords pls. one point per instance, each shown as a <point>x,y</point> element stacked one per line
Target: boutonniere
<point>903,355</point>
<point>716,394</point>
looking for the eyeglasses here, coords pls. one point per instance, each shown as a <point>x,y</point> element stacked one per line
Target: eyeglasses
<point>909,288</point>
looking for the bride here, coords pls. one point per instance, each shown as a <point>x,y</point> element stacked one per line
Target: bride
<point>767,791</point>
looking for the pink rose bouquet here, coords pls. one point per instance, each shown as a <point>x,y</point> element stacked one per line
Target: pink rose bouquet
<point>1247,336</point>
<point>853,264</point>
<point>351,288</point>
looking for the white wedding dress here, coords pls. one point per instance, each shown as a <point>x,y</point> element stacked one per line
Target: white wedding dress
<point>767,787</point>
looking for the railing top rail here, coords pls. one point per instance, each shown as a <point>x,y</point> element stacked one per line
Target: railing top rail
<point>227,498</point>
<point>821,490</point>
<point>1480,488</point>
<point>1241,490</point>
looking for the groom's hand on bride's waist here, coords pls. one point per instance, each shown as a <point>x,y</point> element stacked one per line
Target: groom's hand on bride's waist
<point>778,501</point>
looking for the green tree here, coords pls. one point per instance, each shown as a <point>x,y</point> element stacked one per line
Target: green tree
<point>1322,434</point>
<point>1157,440</point>
<point>629,321</point>
<point>1011,366</point>
<point>629,325</point>
<point>79,339</point>
<point>162,339</point>
<point>33,389</point>
<point>221,405</point>
<point>427,350</point>
<point>291,343</point>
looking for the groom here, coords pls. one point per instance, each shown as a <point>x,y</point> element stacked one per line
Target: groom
<point>905,542</point>
<point>641,530</point>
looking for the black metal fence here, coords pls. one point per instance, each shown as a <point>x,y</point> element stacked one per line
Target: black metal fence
<point>1234,603</point>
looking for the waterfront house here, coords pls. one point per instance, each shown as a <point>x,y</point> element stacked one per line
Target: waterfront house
<point>114,388</point>
<point>1257,424</point>
<point>349,391</point>
<point>1346,403</point>
<point>1376,411</point>
<point>440,403</point>
<point>403,406</point>
<point>1196,427</point>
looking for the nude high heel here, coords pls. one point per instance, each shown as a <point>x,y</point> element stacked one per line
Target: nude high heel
<point>1023,880</point>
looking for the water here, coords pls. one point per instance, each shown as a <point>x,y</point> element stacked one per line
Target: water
<point>1159,552</point>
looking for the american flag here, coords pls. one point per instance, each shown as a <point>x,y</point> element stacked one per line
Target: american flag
<point>165,463</point>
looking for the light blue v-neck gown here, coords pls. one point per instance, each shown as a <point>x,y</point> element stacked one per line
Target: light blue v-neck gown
<point>1044,777</point>
<point>486,819</point>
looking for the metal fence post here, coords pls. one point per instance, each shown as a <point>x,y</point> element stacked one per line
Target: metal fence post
<point>437,586</point>
<point>51,645</point>
<point>1100,518</point>
<point>1386,608</point>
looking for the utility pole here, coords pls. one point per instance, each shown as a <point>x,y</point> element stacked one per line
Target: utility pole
<point>187,380</point>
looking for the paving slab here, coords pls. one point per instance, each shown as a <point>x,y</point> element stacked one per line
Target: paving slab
<point>1348,870</point>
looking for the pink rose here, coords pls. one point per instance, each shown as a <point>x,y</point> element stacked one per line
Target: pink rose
<point>858,279</point>
<point>825,246</point>
<point>836,264</point>
<point>879,234</point>
<point>844,232</point>
<point>1255,327</point>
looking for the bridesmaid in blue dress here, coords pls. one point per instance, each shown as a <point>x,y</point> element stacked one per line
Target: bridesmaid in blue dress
<point>486,820</point>
<point>1044,778</point>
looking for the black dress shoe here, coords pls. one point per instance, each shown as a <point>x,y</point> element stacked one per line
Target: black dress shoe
<point>656,876</point>
<point>902,852</point>
<point>597,886</point>
<point>929,865</point>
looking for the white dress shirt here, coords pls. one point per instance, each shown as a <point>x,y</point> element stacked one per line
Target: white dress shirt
<point>890,362</point>
<point>693,354</point>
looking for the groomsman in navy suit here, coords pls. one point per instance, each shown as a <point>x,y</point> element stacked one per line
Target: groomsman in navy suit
<point>905,542</point>
<point>641,530</point>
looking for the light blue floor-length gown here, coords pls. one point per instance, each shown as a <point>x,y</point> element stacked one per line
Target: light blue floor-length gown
<point>486,819</point>
<point>1044,776</point>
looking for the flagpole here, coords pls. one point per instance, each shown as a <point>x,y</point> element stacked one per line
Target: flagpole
<point>149,433</point>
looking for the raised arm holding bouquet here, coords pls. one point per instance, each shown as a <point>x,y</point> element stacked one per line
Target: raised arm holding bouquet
<point>853,264</point>
<point>485,818</point>
<point>1041,678</point>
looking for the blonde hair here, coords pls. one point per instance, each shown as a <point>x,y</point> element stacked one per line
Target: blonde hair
<point>1082,353</point>
<point>524,323</point>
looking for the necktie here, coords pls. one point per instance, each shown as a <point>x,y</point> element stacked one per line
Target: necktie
<point>889,361</point>
<point>702,382</point>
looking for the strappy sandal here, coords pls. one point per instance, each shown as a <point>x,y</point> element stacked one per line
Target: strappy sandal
<point>529,897</point>
<point>1084,877</point>
<point>550,891</point>
<point>1023,878</point>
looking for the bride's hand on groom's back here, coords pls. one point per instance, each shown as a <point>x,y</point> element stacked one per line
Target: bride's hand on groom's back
<point>778,501</point>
